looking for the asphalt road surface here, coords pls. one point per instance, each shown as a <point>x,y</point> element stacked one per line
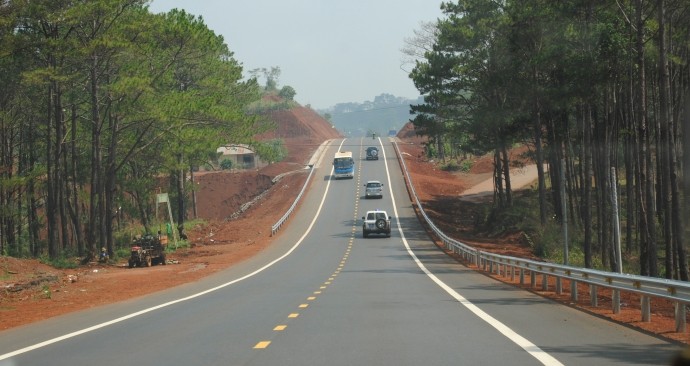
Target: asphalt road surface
<point>324,295</point>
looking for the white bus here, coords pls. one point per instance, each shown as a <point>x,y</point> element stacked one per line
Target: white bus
<point>343,165</point>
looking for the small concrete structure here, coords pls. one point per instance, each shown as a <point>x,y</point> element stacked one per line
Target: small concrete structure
<point>240,156</point>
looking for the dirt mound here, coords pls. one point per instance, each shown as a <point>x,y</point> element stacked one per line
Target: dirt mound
<point>408,134</point>
<point>300,122</point>
<point>302,130</point>
<point>220,194</point>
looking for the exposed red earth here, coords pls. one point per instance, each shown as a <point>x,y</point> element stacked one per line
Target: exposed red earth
<point>224,242</point>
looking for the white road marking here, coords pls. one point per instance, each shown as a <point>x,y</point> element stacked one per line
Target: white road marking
<point>529,347</point>
<point>157,307</point>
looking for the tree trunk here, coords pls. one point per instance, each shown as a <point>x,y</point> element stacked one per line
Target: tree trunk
<point>60,171</point>
<point>645,180</point>
<point>96,188</point>
<point>539,157</point>
<point>110,187</point>
<point>51,204</point>
<point>673,226</point>
<point>506,174</point>
<point>587,186</point>
<point>686,172</point>
<point>191,177</point>
<point>74,189</point>
<point>665,141</point>
<point>498,182</point>
<point>181,196</point>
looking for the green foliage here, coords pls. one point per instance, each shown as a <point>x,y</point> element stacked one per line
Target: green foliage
<point>466,165</point>
<point>287,93</point>
<point>272,77</point>
<point>226,164</point>
<point>122,252</point>
<point>450,166</point>
<point>46,292</point>
<point>65,260</point>
<point>263,106</point>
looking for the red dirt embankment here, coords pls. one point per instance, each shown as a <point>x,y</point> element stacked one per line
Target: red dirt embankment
<point>225,242</point>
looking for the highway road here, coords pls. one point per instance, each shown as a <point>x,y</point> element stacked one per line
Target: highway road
<point>324,295</point>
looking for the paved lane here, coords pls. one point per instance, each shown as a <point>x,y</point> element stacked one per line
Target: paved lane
<point>323,295</point>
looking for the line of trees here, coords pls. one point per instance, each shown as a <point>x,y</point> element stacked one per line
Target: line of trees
<point>99,99</point>
<point>593,87</point>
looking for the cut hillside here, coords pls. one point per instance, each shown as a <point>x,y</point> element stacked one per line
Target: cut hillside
<point>221,195</point>
<point>301,129</point>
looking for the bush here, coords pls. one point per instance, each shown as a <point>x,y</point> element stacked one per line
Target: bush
<point>466,165</point>
<point>226,164</point>
<point>450,166</point>
<point>64,261</point>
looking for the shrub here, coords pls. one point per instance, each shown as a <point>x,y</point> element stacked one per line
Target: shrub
<point>450,166</point>
<point>226,164</point>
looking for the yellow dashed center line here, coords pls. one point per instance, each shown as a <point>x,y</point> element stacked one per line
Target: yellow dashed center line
<point>282,327</point>
<point>262,345</point>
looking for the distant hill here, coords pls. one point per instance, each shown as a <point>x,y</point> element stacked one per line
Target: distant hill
<point>387,112</point>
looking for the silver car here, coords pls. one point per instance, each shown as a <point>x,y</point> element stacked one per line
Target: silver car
<point>373,189</point>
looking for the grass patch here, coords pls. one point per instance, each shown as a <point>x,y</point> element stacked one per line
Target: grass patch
<point>62,262</point>
<point>45,292</point>
<point>546,241</point>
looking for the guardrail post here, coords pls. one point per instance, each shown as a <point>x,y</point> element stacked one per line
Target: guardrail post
<point>533,279</point>
<point>593,295</point>
<point>680,317</point>
<point>616,299</point>
<point>512,273</point>
<point>522,276</point>
<point>645,308</point>
<point>559,286</point>
<point>544,282</point>
<point>573,290</point>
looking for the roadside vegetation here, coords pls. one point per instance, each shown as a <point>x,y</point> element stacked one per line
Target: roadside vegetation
<point>598,90</point>
<point>102,106</point>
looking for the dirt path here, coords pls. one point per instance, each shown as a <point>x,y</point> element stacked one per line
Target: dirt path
<point>519,179</point>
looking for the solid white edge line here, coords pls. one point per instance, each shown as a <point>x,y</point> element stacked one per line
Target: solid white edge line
<point>157,307</point>
<point>529,347</point>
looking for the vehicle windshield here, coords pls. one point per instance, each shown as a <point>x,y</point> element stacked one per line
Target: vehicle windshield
<point>373,185</point>
<point>376,216</point>
<point>342,162</point>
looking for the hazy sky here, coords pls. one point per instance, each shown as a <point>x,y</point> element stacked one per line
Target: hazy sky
<point>329,51</point>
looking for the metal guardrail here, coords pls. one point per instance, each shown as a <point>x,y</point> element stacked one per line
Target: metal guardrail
<point>647,287</point>
<point>279,223</point>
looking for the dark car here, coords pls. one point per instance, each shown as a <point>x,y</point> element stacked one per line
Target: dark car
<point>372,153</point>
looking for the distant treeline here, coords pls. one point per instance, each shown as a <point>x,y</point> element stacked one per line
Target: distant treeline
<point>385,113</point>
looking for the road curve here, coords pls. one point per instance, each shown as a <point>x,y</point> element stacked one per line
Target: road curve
<point>323,295</point>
